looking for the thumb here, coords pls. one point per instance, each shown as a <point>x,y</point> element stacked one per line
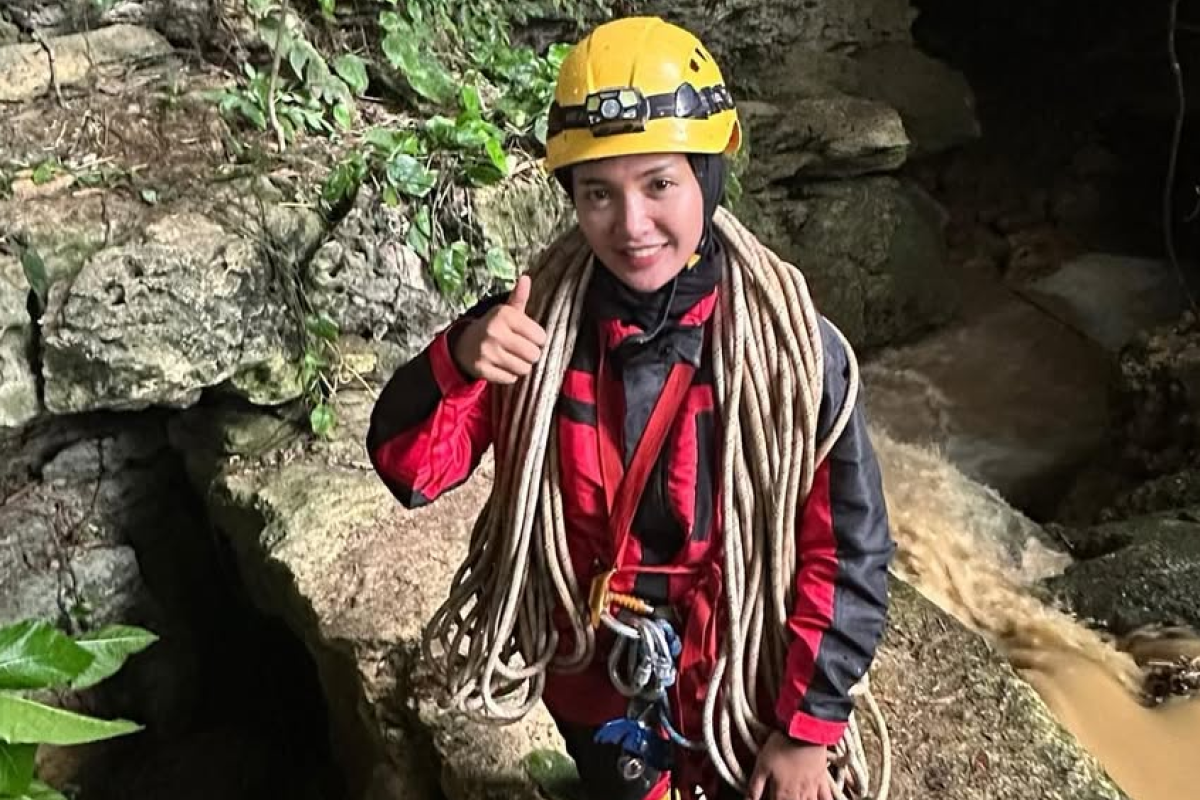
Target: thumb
<point>520,294</point>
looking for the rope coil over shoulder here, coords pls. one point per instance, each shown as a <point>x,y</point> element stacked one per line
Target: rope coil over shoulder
<point>494,637</point>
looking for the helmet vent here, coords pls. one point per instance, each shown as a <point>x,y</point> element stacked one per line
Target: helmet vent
<point>695,66</point>
<point>701,54</point>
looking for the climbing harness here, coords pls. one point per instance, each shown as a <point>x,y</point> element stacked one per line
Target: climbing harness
<point>494,637</point>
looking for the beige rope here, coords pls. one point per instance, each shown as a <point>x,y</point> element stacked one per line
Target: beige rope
<point>494,637</point>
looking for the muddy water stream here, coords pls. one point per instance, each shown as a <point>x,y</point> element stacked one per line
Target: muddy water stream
<point>1092,687</point>
<point>1151,753</point>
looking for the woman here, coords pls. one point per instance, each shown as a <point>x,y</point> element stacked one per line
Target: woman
<point>638,136</point>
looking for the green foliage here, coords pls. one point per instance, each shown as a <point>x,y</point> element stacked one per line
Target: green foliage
<point>317,372</point>
<point>309,94</point>
<point>423,70</point>
<point>734,191</point>
<point>437,46</point>
<point>413,166</point>
<point>35,655</point>
<point>554,773</point>
<point>46,171</point>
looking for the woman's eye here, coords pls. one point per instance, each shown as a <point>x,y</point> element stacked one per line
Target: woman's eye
<point>662,184</point>
<point>598,195</point>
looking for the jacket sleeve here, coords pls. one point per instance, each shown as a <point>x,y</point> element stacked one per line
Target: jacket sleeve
<point>431,424</point>
<point>844,547</point>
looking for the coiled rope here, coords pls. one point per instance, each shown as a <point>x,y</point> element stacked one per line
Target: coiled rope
<point>494,637</point>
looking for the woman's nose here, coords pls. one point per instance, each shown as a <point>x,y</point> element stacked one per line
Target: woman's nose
<point>633,219</point>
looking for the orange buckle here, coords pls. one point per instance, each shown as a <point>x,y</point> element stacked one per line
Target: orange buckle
<point>598,596</point>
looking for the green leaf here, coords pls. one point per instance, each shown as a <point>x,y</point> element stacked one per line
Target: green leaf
<point>110,646</point>
<point>471,103</point>
<point>149,197</point>
<point>297,57</point>
<point>390,196</point>
<point>410,176</point>
<point>321,327</point>
<point>391,21</point>
<point>556,54</point>
<point>342,116</point>
<point>474,133</point>
<point>344,180</point>
<point>16,767</point>
<point>500,266</point>
<point>442,131</point>
<point>35,273</point>
<point>555,773</point>
<point>351,69</point>
<point>450,268</point>
<point>483,175</point>
<point>44,172</point>
<point>252,112</point>
<point>424,73</point>
<point>322,419</point>
<point>40,791</point>
<point>386,142</point>
<point>26,722</point>
<point>420,233</point>
<point>328,7</point>
<point>310,369</point>
<point>496,154</point>
<point>36,655</point>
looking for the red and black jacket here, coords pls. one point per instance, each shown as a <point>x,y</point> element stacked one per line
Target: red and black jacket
<point>431,426</point>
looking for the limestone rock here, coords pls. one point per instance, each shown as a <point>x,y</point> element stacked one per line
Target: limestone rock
<point>1158,398</point>
<point>157,322</point>
<point>25,68</point>
<point>183,21</point>
<point>9,34</point>
<point>1110,298</point>
<point>1011,397</point>
<point>65,537</point>
<point>18,385</point>
<point>871,250</point>
<point>963,724</point>
<point>934,101</point>
<point>322,543</point>
<point>1151,574</point>
<point>837,136</point>
<point>522,215</point>
<point>373,285</point>
<point>751,38</point>
<point>65,231</point>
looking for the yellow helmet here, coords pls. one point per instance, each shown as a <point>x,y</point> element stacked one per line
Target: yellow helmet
<point>639,85</point>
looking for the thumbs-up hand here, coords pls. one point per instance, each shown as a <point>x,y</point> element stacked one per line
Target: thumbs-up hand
<point>503,345</point>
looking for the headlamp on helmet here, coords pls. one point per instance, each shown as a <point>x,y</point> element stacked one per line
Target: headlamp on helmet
<point>625,110</point>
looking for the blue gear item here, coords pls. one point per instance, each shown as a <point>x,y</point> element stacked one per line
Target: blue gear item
<point>636,739</point>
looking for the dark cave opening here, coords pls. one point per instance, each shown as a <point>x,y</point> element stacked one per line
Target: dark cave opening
<point>230,699</point>
<point>1078,101</point>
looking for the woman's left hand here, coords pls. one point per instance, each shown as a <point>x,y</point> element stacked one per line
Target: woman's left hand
<point>793,770</point>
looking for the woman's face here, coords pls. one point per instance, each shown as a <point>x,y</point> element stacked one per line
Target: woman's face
<point>643,215</point>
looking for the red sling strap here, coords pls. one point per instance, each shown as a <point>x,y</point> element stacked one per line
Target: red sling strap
<point>624,488</point>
